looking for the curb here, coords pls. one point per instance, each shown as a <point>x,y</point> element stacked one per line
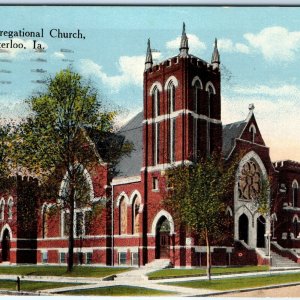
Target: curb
<point>268,287</point>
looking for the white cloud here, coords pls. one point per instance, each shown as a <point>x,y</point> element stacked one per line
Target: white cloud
<point>195,44</point>
<point>227,45</point>
<point>27,47</point>
<point>275,43</point>
<point>58,55</point>
<point>277,113</point>
<point>285,90</point>
<point>131,70</point>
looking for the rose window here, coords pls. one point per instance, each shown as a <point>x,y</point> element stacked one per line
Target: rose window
<point>249,181</point>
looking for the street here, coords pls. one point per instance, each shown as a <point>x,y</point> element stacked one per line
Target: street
<point>290,291</point>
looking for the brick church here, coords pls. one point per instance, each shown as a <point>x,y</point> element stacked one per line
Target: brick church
<point>180,122</point>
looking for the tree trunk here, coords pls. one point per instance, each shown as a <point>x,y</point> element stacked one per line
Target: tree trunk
<point>71,231</point>
<point>208,256</point>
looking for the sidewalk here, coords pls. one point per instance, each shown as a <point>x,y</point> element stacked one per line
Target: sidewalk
<point>138,278</point>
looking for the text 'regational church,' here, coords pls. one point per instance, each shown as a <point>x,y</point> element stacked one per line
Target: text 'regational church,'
<point>180,121</point>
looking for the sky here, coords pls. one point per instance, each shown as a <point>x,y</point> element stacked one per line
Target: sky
<point>259,49</point>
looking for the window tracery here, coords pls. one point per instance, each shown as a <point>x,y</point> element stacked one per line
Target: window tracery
<point>249,181</point>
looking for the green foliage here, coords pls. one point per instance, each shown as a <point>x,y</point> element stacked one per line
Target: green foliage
<point>7,155</point>
<point>262,201</point>
<point>177,273</point>
<point>55,145</point>
<point>196,197</point>
<point>33,285</point>
<point>121,290</point>
<point>241,282</point>
<point>197,194</point>
<point>78,271</point>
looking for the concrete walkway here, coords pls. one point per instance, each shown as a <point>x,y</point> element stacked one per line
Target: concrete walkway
<point>136,278</point>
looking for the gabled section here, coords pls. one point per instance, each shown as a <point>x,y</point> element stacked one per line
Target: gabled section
<point>246,130</point>
<point>251,132</point>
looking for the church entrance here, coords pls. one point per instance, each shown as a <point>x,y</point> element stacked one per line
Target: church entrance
<point>243,228</point>
<point>6,246</point>
<point>261,228</point>
<point>162,247</point>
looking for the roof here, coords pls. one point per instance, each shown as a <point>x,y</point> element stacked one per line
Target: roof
<point>130,165</point>
<point>230,133</point>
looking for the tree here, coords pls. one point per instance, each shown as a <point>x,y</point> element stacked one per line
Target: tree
<point>56,144</point>
<point>196,198</point>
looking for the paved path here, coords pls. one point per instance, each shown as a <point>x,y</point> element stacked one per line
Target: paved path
<point>138,278</point>
<point>291,291</point>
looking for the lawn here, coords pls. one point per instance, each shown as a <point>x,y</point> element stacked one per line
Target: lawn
<point>120,290</point>
<point>79,271</point>
<point>31,286</point>
<point>173,273</point>
<point>240,283</point>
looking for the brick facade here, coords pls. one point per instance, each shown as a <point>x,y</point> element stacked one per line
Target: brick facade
<point>180,122</point>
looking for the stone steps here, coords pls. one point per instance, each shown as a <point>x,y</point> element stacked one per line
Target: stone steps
<point>280,261</point>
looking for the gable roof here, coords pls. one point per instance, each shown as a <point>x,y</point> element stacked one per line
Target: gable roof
<point>130,165</point>
<point>231,132</point>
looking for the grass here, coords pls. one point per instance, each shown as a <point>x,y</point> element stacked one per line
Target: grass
<point>120,290</point>
<point>240,283</point>
<point>173,273</point>
<point>31,286</point>
<point>79,271</point>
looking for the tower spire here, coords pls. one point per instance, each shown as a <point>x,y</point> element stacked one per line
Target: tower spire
<point>184,45</point>
<point>215,58</point>
<point>149,60</point>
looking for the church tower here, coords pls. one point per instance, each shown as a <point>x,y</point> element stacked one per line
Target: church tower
<point>182,108</point>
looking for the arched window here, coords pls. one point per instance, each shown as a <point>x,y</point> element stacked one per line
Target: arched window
<point>123,216</point>
<point>172,143</point>
<point>2,207</point>
<point>249,181</point>
<point>10,207</point>
<point>155,102</point>
<point>135,215</point>
<point>45,219</point>
<point>66,223</point>
<point>155,143</point>
<point>295,193</point>
<point>196,100</point>
<point>295,228</point>
<point>210,93</point>
<point>171,96</point>
<point>252,130</point>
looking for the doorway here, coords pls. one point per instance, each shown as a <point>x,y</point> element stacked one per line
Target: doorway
<point>6,246</point>
<point>261,229</point>
<point>243,228</point>
<point>162,239</point>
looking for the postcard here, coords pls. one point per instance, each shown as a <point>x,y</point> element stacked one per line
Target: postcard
<point>149,150</point>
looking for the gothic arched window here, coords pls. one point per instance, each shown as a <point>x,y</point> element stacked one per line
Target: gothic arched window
<point>295,193</point>
<point>10,207</point>
<point>171,97</point>
<point>2,207</point>
<point>45,219</point>
<point>249,181</point>
<point>123,216</point>
<point>135,215</point>
<point>196,100</point>
<point>155,102</point>
<point>155,143</point>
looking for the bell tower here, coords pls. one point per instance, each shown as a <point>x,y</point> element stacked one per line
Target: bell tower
<point>182,108</point>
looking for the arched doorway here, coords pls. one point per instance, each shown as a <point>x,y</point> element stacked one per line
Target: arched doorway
<point>261,228</point>
<point>162,249</point>
<point>6,246</point>
<point>243,228</point>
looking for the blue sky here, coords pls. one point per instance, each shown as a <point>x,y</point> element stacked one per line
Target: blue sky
<point>259,48</point>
